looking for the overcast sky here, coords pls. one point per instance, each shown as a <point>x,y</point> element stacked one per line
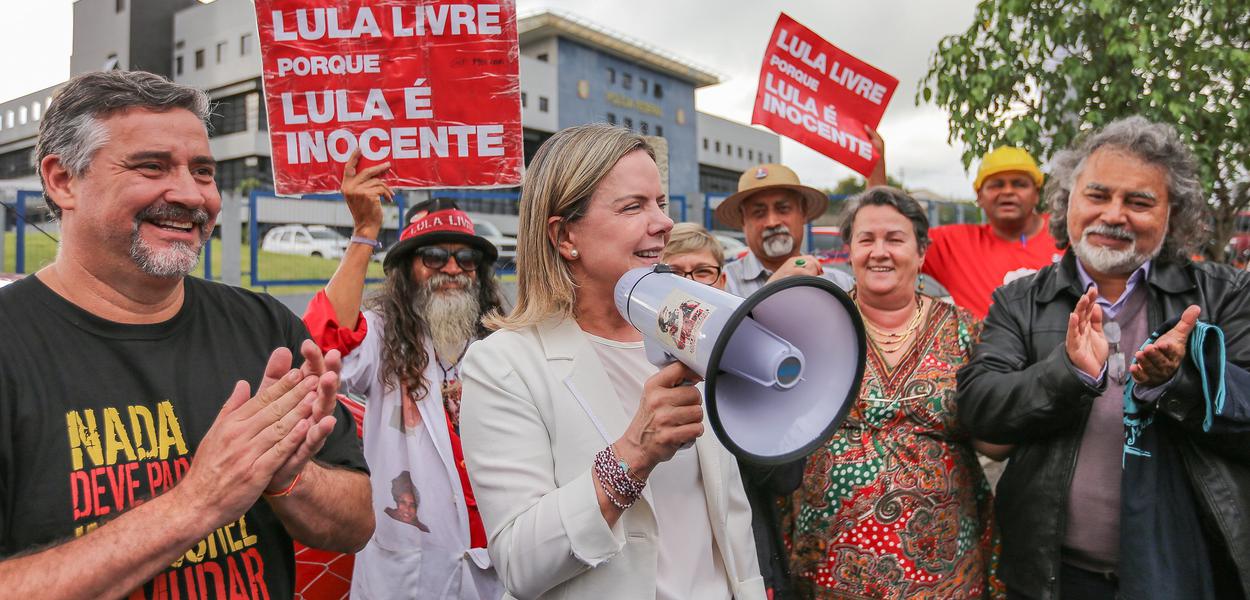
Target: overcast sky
<point>726,36</point>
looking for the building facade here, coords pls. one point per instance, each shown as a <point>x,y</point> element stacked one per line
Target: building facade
<point>572,72</point>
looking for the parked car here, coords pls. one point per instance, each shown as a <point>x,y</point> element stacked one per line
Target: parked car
<point>732,247</point>
<point>505,243</point>
<point>7,278</point>
<point>827,245</point>
<point>305,240</point>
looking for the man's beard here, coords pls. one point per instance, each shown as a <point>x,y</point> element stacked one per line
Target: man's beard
<point>1109,260</point>
<point>452,314</point>
<point>179,258</point>
<point>778,242</point>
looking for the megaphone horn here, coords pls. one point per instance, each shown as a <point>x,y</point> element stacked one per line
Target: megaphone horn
<point>781,368</point>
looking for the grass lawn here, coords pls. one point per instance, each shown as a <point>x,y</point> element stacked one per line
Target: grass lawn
<point>40,250</point>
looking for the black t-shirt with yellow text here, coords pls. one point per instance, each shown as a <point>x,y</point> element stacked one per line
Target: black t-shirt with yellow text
<point>97,416</point>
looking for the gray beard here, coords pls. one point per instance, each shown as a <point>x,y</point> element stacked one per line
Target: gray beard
<point>180,258</point>
<point>778,245</point>
<point>452,315</point>
<point>1108,260</point>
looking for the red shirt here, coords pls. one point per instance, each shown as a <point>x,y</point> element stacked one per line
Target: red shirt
<point>970,261</point>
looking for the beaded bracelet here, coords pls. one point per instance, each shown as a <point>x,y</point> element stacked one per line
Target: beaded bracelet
<point>613,474</point>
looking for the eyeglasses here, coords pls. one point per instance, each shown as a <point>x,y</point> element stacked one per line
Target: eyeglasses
<point>435,257</point>
<point>702,274</point>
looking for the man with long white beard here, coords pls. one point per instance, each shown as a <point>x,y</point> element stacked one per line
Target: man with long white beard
<point>771,207</point>
<point>403,355</point>
<point>1120,375</point>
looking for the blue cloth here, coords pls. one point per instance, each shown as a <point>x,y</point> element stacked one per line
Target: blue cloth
<point>1157,506</point>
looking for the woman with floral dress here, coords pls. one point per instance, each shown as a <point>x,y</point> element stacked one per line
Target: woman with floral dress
<point>896,504</point>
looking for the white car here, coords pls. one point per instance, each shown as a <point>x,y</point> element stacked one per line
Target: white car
<point>506,244</point>
<point>305,240</point>
<point>732,246</point>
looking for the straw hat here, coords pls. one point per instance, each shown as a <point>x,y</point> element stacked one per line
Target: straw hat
<point>769,177</point>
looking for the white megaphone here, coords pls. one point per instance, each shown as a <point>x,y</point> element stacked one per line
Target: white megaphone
<point>781,367</point>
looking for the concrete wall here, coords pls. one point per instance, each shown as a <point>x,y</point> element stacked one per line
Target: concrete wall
<point>99,31</point>
<point>749,146</point>
<point>203,27</point>
<point>538,80</point>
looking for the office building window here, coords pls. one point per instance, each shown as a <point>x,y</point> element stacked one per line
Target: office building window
<point>739,151</point>
<point>646,129</point>
<point>180,44</point>
<point>705,143</point>
<point>543,57</point>
<point>642,83</point>
<point>657,90</point>
<point>119,6</point>
<point>718,147</point>
<point>221,51</point>
<point>177,65</point>
<point>729,149</point>
<point>659,131</point>
<point>629,123</point>
<point>611,118</point>
<point>229,116</point>
<point>770,158</point>
<point>199,59</point>
<point>750,155</point>
<point>245,44</point>
<point>542,104</point>
<point>611,76</point>
<point>262,117</point>
<point>524,100</point>
<point>627,81</point>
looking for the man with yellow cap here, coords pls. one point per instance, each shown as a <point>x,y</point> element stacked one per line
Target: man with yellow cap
<point>771,207</point>
<point>971,261</point>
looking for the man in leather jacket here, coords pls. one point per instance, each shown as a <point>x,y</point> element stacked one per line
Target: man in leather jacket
<point>1059,349</point>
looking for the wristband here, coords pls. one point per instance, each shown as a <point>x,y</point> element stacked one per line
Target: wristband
<point>285,492</point>
<point>366,241</point>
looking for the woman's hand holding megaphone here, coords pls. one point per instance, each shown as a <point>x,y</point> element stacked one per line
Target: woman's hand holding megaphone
<point>669,417</point>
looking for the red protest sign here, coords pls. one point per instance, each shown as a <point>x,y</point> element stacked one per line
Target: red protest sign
<point>816,94</point>
<point>432,87</point>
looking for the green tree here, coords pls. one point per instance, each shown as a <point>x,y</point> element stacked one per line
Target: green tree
<point>853,184</point>
<point>1037,73</point>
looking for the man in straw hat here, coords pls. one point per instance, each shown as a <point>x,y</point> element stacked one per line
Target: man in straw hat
<point>771,207</point>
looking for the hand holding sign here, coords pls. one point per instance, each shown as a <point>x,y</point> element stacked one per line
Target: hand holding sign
<point>818,95</point>
<point>430,87</point>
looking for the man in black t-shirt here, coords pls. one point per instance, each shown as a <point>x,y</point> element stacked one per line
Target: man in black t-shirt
<point>135,459</point>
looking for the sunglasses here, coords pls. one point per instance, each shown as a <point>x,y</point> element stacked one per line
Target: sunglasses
<point>434,257</point>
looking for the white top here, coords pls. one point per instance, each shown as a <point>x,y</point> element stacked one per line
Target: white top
<point>747,275</point>
<point>689,566</point>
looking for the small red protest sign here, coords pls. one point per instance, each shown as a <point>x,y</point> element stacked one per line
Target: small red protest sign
<point>820,96</point>
<point>432,87</point>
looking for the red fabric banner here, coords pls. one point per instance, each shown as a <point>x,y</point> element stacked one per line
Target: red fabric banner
<point>818,95</point>
<point>432,87</point>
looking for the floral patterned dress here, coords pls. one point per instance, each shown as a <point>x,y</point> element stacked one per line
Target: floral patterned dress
<point>896,504</point>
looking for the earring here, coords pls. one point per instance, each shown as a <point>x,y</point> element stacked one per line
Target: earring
<point>574,253</point>
<point>922,284</point>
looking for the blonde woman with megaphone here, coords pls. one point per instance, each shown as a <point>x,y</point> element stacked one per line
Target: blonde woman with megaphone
<point>896,504</point>
<point>577,447</point>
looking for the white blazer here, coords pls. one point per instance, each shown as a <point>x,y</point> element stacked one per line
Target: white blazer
<point>537,407</point>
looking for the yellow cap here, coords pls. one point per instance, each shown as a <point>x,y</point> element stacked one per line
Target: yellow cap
<point>1007,158</point>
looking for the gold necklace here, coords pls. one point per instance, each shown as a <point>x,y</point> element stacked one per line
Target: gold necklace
<point>891,342</point>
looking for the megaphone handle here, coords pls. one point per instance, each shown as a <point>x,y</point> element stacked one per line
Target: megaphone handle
<point>658,357</point>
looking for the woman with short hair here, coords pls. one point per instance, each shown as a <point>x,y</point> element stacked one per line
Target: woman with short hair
<point>896,504</point>
<point>579,450</point>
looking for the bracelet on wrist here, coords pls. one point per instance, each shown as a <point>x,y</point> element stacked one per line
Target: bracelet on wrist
<point>285,492</point>
<point>359,239</point>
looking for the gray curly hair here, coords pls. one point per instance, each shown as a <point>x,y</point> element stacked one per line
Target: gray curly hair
<point>1155,143</point>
